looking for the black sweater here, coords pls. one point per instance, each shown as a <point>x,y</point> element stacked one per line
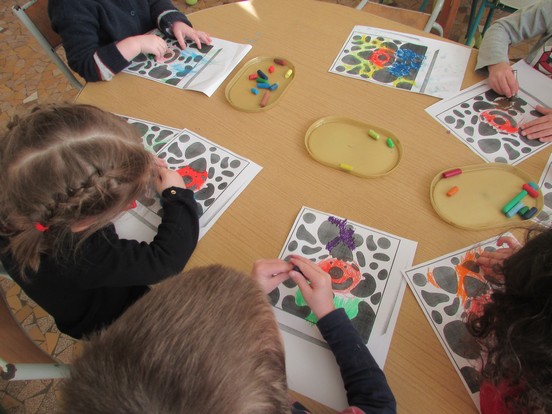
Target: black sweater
<point>109,274</point>
<point>365,383</point>
<point>88,27</point>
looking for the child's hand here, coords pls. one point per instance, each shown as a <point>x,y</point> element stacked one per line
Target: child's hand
<point>539,128</point>
<point>502,79</point>
<point>489,260</point>
<point>181,31</point>
<point>318,293</point>
<point>132,46</point>
<point>269,273</point>
<point>167,178</point>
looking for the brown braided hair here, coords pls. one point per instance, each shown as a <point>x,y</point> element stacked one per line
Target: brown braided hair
<point>63,166</point>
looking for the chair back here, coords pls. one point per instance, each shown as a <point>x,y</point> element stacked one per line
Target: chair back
<point>34,15</point>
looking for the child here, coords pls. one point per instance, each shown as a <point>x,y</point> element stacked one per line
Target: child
<point>515,329</point>
<point>535,20</point>
<point>208,342</point>
<point>101,37</point>
<point>67,171</point>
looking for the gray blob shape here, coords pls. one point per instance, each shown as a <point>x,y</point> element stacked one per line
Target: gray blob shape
<point>361,259</point>
<point>548,200</point>
<point>350,60</point>
<point>292,246</point>
<point>449,119</point>
<point>437,317</point>
<point>455,260</point>
<point>228,173</point>
<point>365,287</point>
<point>374,265</point>
<point>211,172</point>
<point>375,299</point>
<point>460,341</point>
<point>195,150</point>
<point>472,377</point>
<point>474,287</point>
<point>215,158</point>
<point>184,138</point>
<point>327,232</point>
<point>224,162</point>
<point>206,192</point>
<point>222,186</point>
<point>451,309</point>
<point>382,257</point>
<point>512,152</point>
<point>384,243</point>
<point>175,150</point>
<point>288,304</point>
<point>289,283</point>
<point>485,129</point>
<point>489,145</point>
<point>446,278</point>
<point>419,279</point>
<point>342,252</point>
<point>209,202</point>
<point>364,321</point>
<point>235,164</point>
<point>274,297</point>
<point>474,120</point>
<point>307,250</point>
<point>309,218</point>
<point>382,274</point>
<point>468,131</point>
<point>304,234</point>
<point>459,124</point>
<point>434,299</point>
<point>357,238</point>
<point>371,244</point>
<point>160,72</point>
<point>199,165</point>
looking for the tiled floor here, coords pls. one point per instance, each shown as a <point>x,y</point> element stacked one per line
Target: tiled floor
<point>28,78</point>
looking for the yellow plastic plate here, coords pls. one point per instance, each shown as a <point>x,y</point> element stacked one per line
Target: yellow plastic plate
<point>345,144</point>
<point>238,91</point>
<point>483,190</point>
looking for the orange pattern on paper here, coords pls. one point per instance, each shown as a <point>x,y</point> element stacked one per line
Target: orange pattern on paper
<point>462,272</point>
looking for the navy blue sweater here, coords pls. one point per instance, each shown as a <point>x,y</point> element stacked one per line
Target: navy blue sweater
<point>88,27</point>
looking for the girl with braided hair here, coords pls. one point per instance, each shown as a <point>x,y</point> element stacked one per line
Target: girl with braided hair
<point>67,172</point>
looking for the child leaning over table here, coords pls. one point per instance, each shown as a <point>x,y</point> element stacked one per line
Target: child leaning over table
<point>526,23</point>
<point>515,327</point>
<point>67,171</point>
<point>101,37</point>
<point>208,342</point>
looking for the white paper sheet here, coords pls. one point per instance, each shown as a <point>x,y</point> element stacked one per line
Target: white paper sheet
<point>371,295</point>
<point>489,123</point>
<point>447,288</point>
<point>403,61</point>
<point>191,69</point>
<point>216,175</point>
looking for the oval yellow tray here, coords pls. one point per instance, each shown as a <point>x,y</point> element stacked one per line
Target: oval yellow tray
<point>238,91</point>
<point>346,144</point>
<point>483,190</point>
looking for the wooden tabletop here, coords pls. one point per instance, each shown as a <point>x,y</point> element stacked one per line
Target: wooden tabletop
<point>310,34</point>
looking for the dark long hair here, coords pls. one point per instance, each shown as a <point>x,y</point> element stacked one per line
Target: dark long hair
<point>515,327</point>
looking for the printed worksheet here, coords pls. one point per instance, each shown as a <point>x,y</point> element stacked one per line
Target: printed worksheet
<point>216,175</point>
<point>402,61</point>
<point>201,70</point>
<point>365,266</point>
<point>545,215</point>
<point>448,289</point>
<point>488,123</point>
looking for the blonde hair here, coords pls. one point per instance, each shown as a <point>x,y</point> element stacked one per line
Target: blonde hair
<point>62,165</point>
<point>205,341</point>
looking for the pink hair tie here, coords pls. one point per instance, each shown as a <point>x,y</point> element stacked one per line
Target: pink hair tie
<point>40,227</point>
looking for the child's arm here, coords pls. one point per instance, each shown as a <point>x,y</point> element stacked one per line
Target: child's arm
<point>364,381</point>
<point>533,21</point>
<point>539,128</point>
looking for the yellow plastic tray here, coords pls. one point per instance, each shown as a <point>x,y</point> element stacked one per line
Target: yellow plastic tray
<point>483,190</point>
<point>345,144</point>
<point>238,91</point>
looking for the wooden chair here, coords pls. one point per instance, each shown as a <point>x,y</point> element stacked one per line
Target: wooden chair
<point>20,357</point>
<point>34,15</point>
<point>440,20</point>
